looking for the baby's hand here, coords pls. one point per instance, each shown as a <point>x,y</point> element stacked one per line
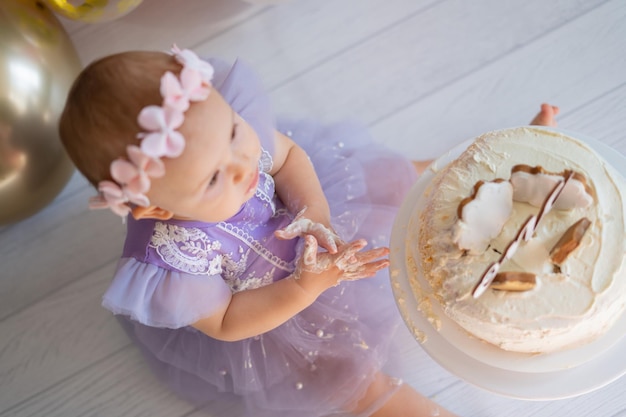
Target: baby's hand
<point>301,226</point>
<point>349,263</point>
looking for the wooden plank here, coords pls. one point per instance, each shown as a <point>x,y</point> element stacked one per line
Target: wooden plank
<point>74,185</point>
<point>186,22</point>
<point>57,337</point>
<point>575,64</point>
<point>156,24</point>
<point>602,118</point>
<point>41,256</point>
<point>297,36</point>
<point>119,385</point>
<point>404,63</point>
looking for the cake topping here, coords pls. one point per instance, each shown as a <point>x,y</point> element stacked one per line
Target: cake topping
<point>513,281</point>
<point>482,215</point>
<point>532,185</point>
<point>569,241</point>
<point>525,233</point>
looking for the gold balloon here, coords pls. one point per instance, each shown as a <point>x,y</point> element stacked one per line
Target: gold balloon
<point>92,11</point>
<point>38,64</point>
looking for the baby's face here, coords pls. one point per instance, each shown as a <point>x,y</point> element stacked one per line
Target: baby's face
<point>219,169</point>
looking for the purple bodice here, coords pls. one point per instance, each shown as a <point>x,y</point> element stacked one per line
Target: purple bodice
<point>242,250</point>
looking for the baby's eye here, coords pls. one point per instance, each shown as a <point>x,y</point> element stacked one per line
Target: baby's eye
<point>214,179</point>
<point>234,132</point>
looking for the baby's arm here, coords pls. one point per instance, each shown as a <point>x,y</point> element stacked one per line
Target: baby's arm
<point>256,311</point>
<point>297,184</point>
<point>253,312</point>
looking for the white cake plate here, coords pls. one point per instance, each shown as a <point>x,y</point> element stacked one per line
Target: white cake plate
<point>524,376</point>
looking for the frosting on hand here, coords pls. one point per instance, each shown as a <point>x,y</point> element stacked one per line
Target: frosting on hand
<point>351,262</point>
<point>301,226</point>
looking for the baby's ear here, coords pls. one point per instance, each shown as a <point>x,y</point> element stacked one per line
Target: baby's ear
<point>151,212</point>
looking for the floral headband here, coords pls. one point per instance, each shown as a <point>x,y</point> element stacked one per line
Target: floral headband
<point>132,175</point>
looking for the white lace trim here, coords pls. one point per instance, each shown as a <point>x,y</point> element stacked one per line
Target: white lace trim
<point>266,188</point>
<point>186,249</point>
<point>265,162</point>
<point>265,191</point>
<point>234,270</point>
<point>256,246</point>
<point>189,249</point>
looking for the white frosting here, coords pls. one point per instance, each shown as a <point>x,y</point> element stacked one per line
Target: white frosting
<point>567,307</point>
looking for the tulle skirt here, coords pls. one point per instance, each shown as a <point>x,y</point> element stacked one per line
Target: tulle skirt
<point>321,361</point>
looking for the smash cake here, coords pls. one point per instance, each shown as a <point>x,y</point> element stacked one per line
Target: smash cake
<point>521,240</point>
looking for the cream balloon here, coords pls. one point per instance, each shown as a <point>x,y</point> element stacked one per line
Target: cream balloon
<point>38,64</point>
<point>92,11</point>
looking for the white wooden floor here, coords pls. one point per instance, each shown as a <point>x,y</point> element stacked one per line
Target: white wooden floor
<point>423,74</point>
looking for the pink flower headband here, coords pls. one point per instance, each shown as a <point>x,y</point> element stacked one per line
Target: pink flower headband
<point>132,175</point>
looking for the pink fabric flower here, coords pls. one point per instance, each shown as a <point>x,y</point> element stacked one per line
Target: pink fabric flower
<point>134,175</point>
<point>190,60</point>
<point>110,196</point>
<point>177,94</point>
<point>162,138</point>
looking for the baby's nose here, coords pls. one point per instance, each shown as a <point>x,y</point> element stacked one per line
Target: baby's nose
<point>240,168</point>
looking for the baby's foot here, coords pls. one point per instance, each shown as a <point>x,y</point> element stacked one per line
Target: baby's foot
<point>545,117</point>
<point>420,166</point>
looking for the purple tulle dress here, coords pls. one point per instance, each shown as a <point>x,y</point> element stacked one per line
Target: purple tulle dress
<point>174,272</point>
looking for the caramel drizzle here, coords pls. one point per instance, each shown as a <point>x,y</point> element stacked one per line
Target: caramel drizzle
<point>525,233</point>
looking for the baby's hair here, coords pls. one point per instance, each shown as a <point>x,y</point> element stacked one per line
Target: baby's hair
<point>100,116</point>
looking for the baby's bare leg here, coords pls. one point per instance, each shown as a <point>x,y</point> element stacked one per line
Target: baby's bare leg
<point>546,115</point>
<point>420,166</point>
<point>405,402</point>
